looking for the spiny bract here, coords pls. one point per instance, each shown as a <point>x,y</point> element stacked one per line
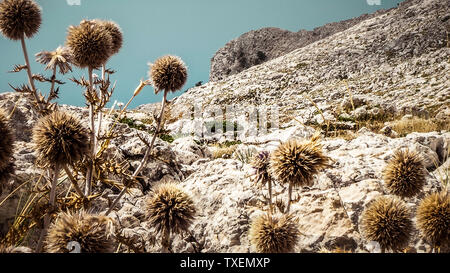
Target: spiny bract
<point>260,163</point>
<point>19,18</point>
<point>387,221</point>
<point>93,233</point>
<point>170,209</point>
<point>405,174</point>
<point>60,57</point>
<point>433,218</point>
<point>168,73</point>
<point>297,162</point>
<point>274,234</point>
<point>60,138</point>
<point>90,44</point>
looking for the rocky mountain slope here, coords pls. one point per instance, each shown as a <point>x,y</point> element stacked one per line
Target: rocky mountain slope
<point>396,63</point>
<point>258,46</point>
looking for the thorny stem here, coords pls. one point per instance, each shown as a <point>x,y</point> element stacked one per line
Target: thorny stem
<point>146,156</point>
<point>136,92</point>
<point>88,186</point>
<point>52,204</point>
<point>165,241</point>
<point>74,182</point>
<point>53,80</point>
<point>290,198</point>
<point>100,114</point>
<point>269,183</point>
<point>30,76</point>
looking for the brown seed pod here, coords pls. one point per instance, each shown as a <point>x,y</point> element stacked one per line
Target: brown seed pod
<point>116,35</point>
<point>168,73</point>
<point>90,44</point>
<point>433,218</point>
<point>297,162</point>
<point>274,234</point>
<point>19,18</point>
<point>93,233</point>
<point>60,138</point>
<point>60,57</point>
<point>405,174</point>
<point>387,221</point>
<point>170,209</point>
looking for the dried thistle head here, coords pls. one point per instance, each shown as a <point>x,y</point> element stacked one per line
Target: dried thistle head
<point>405,174</point>
<point>14,249</point>
<point>260,163</point>
<point>90,44</point>
<point>116,35</point>
<point>92,232</point>
<point>19,18</point>
<point>60,57</point>
<point>297,161</point>
<point>6,141</point>
<point>60,138</point>
<point>433,218</point>
<point>387,221</point>
<point>274,234</point>
<point>168,73</point>
<point>170,209</point>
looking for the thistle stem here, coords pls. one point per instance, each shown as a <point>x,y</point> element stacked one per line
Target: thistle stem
<point>269,184</point>
<point>100,114</point>
<point>146,156</point>
<point>290,198</point>
<point>74,182</point>
<point>89,175</point>
<point>47,217</point>
<point>30,75</point>
<point>52,88</point>
<point>165,241</point>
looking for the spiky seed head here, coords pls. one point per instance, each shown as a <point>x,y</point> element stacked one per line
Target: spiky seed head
<point>168,73</point>
<point>5,174</point>
<point>116,35</point>
<point>60,138</point>
<point>274,234</point>
<point>14,249</point>
<point>60,57</point>
<point>92,232</point>
<point>297,161</point>
<point>387,221</point>
<point>261,163</point>
<point>170,209</point>
<point>433,218</point>
<point>19,18</point>
<point>6,141</point>
<point>405,174</point>
<point>90,44</point>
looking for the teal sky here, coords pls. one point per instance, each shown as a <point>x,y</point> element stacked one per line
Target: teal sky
<point>191,29</point>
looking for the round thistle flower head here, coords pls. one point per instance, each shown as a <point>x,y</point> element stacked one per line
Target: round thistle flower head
<point>60,138</point>
<point>261,163</point>
<point>387,221</point>
<point>170,209</point>
<point>116,35</point>
<point>19,18</point>
<point>274,234</point>
<point>168,73</point>
<point>433,218</point>
<point>6,141</point>
<point>60,58</point>
<point>93,233</point>
<point>405,174</point>
<point>297,162</point>
<point>90,44</point>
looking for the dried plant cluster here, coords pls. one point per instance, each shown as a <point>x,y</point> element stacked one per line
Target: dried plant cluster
<point>405,174</point>
<point>94,233</point>
<point>6,149</point>
<point>19,18</point>
<point>60,138</point>
<point>433,218</point>
<point>387,221</point>
<point>274,234</point>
